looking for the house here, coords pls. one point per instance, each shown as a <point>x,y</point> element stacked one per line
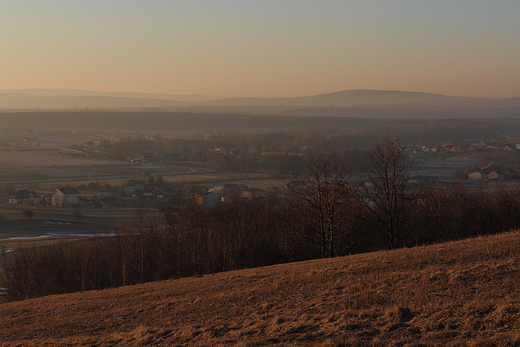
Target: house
<point>510,174</point>
<point>207,199</point>
<point>420,179</point>
<point>47,199</point>
<point>89,146</point>
<point>246,194</point>
<point>258,193</point>
<point>192,191</point>
<point>227,191</point>
<point>230,190</point>
<point>450,147</point>
<point>24,197</point>
<point>295,185</point>
<point>236,153</point>
<point>167,197</point>
<point>130,188</point>
<point>147,157</point>
<point>496,175</point>
<point>116,194</point>
<point>143,193</point>
<point>108,201</point>
<point>475,175</point>
<point>65,196</point>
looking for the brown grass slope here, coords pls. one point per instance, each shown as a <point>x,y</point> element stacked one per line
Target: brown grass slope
<point>462,293</point>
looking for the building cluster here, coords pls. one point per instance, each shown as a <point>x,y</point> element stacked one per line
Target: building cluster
<point>465,147</point>
<point>135,194</point>
<point>87,149</point>
<point>487,174</point>
<point>145,157</point>
<point>61,197</point>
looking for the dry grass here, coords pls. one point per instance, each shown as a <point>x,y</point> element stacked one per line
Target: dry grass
<point>456,294</point>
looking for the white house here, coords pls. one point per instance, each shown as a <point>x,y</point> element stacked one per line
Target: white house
<point>65,196</point>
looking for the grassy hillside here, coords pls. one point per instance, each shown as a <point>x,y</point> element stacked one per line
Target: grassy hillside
<point>462,293</point>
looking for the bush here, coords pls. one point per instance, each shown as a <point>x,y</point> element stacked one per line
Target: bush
<point>77,215</point>
<point>28,214</point>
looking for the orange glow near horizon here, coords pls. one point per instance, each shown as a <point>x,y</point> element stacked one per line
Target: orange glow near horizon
<point>258,49</point>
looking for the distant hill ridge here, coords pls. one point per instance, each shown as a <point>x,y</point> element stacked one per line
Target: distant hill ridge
<point>356,97</point>
<point>462,293</point>
<point>62,99</point>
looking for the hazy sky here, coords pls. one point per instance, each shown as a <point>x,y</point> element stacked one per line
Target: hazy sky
<point>262,48</point>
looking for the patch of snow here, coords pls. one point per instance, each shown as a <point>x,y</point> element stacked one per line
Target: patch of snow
<point>24,238</point>
<point>84,235</point>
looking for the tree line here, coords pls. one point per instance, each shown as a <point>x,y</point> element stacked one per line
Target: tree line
<point>321,215</point>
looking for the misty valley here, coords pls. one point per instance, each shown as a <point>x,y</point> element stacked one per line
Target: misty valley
<point>192,194</point>
<point>260,173</point>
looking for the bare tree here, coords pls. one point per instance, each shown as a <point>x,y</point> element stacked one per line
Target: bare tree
<point>322,202</point>
<point>441,209</point>
<point>389,197</point>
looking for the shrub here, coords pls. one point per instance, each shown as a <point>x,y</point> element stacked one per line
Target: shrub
<point>77,215</point>
<point>28,214</point>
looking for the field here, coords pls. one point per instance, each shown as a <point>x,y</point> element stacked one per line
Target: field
<point>461,293</point>
<point>47,169</point>
<point>50,225</point>
<point>41,168</point>
<point>49,158</point>
<point>41,163</point>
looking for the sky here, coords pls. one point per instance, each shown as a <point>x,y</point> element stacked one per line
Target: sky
<point>262,48</point>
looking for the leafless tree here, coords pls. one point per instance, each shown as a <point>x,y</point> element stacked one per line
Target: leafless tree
<point>322,202</point>
<point>389,196</point>
<point>503,205</point>
<point>441,209</point>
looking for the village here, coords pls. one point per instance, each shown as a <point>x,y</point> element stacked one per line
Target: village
<point>135,194</point>
<point>493,159</point>
<point>446,162</point>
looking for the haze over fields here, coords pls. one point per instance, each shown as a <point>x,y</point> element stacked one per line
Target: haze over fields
<point>349,103</point>
<point>173,142</point>
<point>48,98</point>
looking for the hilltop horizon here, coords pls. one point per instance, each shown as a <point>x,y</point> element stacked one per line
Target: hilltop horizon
<point>45,92</point>
<point>69,99</point>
